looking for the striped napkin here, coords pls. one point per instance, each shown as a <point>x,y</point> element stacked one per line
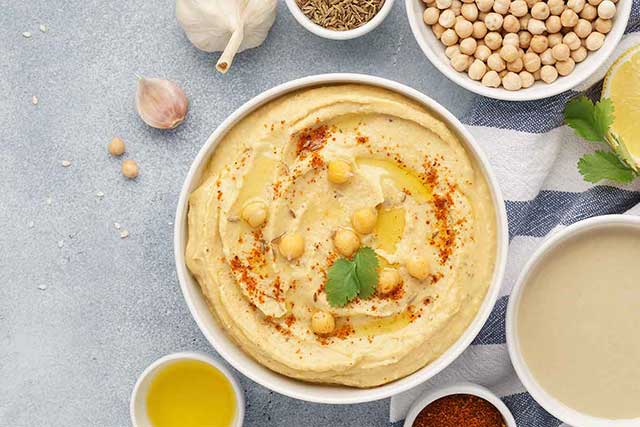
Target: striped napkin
<point>534,157</point>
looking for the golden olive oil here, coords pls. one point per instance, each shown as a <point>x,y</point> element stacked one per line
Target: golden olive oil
<point>190,393</point>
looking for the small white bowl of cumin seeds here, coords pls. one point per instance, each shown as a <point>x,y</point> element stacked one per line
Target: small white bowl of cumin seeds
<point>340,19</point>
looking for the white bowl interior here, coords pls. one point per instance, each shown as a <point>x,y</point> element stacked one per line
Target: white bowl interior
<point>548,402</point>
<point>280,383</point>
<point>434,50</point>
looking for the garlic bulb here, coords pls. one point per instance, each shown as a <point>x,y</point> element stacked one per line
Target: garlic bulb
<point>161,103</point>
<point>230,26</point>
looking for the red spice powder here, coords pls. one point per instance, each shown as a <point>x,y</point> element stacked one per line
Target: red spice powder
<point>458,410</point>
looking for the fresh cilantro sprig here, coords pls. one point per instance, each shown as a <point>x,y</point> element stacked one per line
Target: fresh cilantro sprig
<point>591,122</point>
<point>350,278</point>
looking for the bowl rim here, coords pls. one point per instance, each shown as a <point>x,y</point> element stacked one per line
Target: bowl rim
<point>536,91</point>
<point>458,388</point>
<point>550,404</point>
<point>321,393</point>
<point>326,33</point>
<point>136,398</point>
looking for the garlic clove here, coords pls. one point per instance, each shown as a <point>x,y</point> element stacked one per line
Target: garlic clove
<point>162,104</point>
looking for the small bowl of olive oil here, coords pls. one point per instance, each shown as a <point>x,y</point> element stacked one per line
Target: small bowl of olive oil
<point>187,390</point>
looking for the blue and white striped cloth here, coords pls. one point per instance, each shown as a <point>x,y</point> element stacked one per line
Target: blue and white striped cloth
<point>534,157</point>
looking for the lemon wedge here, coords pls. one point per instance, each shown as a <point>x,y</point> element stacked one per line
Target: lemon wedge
<point>622,87</point>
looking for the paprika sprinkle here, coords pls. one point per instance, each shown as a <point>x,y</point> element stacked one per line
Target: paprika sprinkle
<point>458,410</point>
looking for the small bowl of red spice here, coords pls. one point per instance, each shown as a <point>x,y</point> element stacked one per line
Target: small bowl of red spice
<point>465,404</point>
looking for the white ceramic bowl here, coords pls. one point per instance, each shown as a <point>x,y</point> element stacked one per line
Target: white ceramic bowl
<point>462,388</point>
<point>434,50</point>
<point>339,35</point>
<point>548,402</point>
<point>138,402</point>
<point>305,390</point>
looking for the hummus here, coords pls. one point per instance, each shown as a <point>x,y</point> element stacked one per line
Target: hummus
<point>430,197</point>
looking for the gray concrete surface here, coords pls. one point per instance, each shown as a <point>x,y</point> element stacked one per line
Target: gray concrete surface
<point>82,311</point>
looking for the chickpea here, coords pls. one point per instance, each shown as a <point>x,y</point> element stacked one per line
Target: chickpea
<point>579,54</point>
<point>594,2</point>
<point>603,25</point>
<point>540,11</point>
<point>530,3</point>
<point>291,245</point>
<point>526,78</point>
<point>130,169</point>
<point>518,8</point>
<point>594,41</point>
<point>555,6</point>
<point>477,70</point>
<point>116,146</point>
<point>449,37</point>
<point>468,46</point>
<point>524,21</point>
<point>447,18</point>
<point>548,73</point>
<point>576,5</point>
<point>554,39</point>
<point>479,30</point>
<point>536,27</point>
<point>418,267</point>
<point>495,62</point>
<point>482,53</point>
<point>255,213</point>
<point>501,6</point>
<point>589,12</point>
<point>561,52</point>
<point>515,66</point>
<point>525,39</point>
<point>493,21</point>
<point>536,75</point>
<point>456,6</point>
<point>539,43</point>
<point>346,241</point>
<point>339,171</point>
<point>503,73</point>
<point>482,15</point>
<point>509,53</point>
<point>452,50</point>
<point>388,281</point>
<point>565,67</point>
<point>531,62</point>
<point>569,18</point>
<point>511,24</point>
<point>547,58</point>
<point>463,28</point>
<point>322,323</point>
<point>493,40</point>
<point>364,220</point>
<point>583,28</point>
<point>606,9</point>
<point>437,30</point>
<point>491,79</point>
<point>571,40</point>
<point>511,81</point>
<point>431,15</point>
<point>553,24</point>
<point>484,5</point>
<point>469,11</point>
<point>443,4</point>
<point>460,62</point>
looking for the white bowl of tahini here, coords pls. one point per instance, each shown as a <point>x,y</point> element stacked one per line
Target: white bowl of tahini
<point>572,323</point>
<point>219,337</point>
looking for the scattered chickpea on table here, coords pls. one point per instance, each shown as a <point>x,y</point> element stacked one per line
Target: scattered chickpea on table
<point>515,43</point>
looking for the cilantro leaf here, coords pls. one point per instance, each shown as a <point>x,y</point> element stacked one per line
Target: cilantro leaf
<point>603,116</point>
<point>366,271</point>
<point>580,115</point>
<point>601,165</point>
<point>342,285</point>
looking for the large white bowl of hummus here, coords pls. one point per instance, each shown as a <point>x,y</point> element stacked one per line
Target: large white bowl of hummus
<point>439,235</point>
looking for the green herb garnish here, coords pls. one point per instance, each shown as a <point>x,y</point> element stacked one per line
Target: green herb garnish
<point>350,278</point>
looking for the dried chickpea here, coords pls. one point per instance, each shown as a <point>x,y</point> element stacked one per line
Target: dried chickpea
<point>548,73</point>
<point>501,6</point>
<point>511,81</point>
<point>583,28</point>
<point>515,66</point>
<point>339,171</point>
<point>456,6</point>
<point>554,39</point>
<point>443,4</point>
<point>547,58</point>
<point>555,6</point>
<point>553,24</point>
<point>603,25</point>
<point>594,2</point>
<point>491,79</point>
<point>561,52</point>
<point>346,241</point>
<point>469,11</point>
<point>539,43</point>
<point>511,39</point>
<point>579,54</point>
<point>511,24</point>
<point>525,39</point>
<point>130,169</point>
<point>536,27</point>
<point>482,53</point>
<point>536,75</point>
<point>524,21</point>
<point>565,67</point>
<point>477,70</point>
<point>493,21</point>
<point>452,50</point>
<point>460,62</point>
<point>447,18</point>
<point>482,15</point>
<point>518,8</point>
<point>437,30</point>
<point>418,267</point>
<point>569,18</point>
<point>606,9</point>
<point>431,15</point>
<point>468,46</point>
<point>495,62</point>
<point>322,322</point>
<point>493,40</point>
<point>594,41</point>
<point>291,245</point>
<point>484,5</point>
<point>571,40</point>
<point>116,146</point>
<point>389,281</point>
<point>576,5</point>
<point>255,213</point>
<point>526,78</point>
<point>479,30</point>
<point>540,11</point>
<point>530,3</point>
<point>463,28</point>
<point>503,73</point>
<point>589,12</point>
<point>509,53</point>
<point>531,62</point>
<point>449,37</point>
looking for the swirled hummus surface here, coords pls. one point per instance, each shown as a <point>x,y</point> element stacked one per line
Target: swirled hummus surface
<point>431,200</point>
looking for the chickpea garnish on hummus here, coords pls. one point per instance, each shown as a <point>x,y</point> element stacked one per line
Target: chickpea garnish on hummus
<point>342,234</point>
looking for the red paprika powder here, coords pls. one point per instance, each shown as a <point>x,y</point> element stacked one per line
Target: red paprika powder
<point>459,410</point>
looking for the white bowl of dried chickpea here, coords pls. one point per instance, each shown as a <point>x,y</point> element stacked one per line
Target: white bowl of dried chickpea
<point>518,50</point>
